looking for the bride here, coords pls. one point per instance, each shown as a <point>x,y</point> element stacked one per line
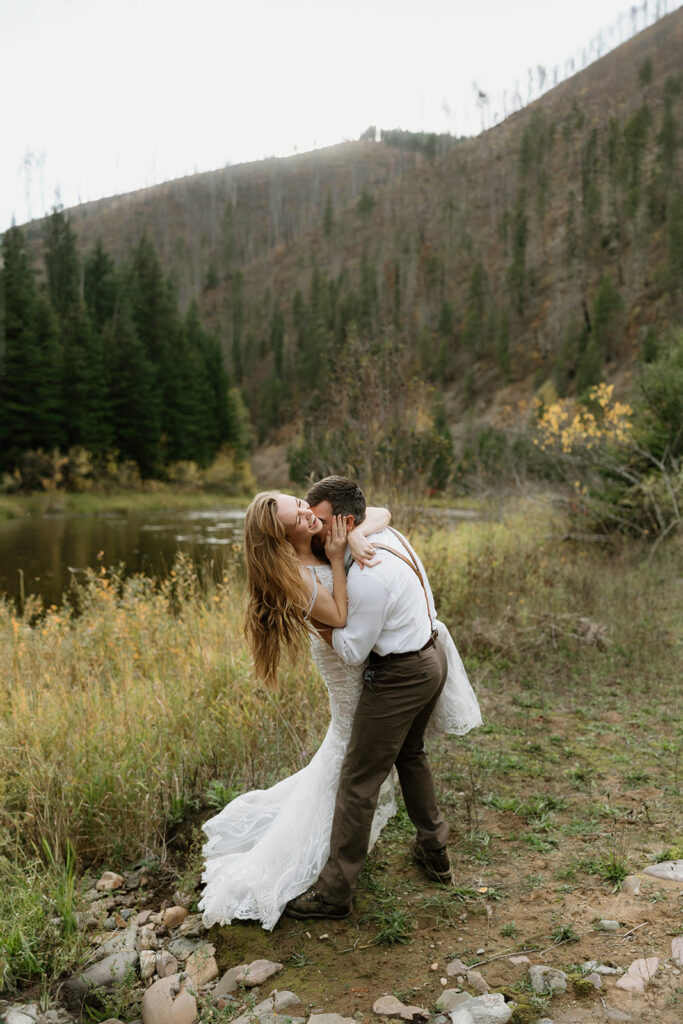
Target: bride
<point>267,846</point>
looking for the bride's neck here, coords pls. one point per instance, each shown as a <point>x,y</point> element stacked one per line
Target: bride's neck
<point>302,549</point>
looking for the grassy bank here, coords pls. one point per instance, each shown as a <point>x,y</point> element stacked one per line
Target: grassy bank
<point>93,503</point>
<point>116,724</point>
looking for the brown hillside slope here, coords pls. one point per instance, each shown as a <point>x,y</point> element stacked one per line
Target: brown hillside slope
<point>430,221</point>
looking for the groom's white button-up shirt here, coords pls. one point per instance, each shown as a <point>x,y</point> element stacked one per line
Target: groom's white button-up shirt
<point>387,607</point>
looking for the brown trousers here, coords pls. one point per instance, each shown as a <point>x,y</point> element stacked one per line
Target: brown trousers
<point>388,729</point>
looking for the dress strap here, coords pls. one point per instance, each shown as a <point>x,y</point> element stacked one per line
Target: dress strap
<point>311,569</point>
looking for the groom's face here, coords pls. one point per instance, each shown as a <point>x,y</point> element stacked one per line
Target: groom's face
<point>323,510</point>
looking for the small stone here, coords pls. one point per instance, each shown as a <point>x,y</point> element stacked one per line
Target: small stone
<point>672,870</point>
<point>166,964</point>
<point>390,1006</point>
<point>259,971</point>
<point>608,926</point>
<point>640,973</point>
<point>122,940</point>
<point>192,926</point>
<point>173,916</point>
<point>490,1008</point>
<point>323,936</point>
<point>146,939</point>
<point>109,881</point>
<point>434,967</point>
<point>229,982</point>
<point>677,950</point>
<point>456,967</point>
<point>101,975</point>
<point>285,1000</point>
<point>110,924</point>
<point>182,947</point>
<point>148,963</point>
<point>631,885</point>
<point>168,1001</point>
<point>201,965</point>
<point>480,951</point>
<point>546,980</point>
<point>451,999</point>
<point>595,979</point>
<point>182,899</point>
<point>612,1013</point>
<point>143,917</point>
<point>443,981</point>
<point>595,967</point>
<point>17,1015</point>
<point>477,981</point>
<point>330,1018</point>
<point>519,959</point>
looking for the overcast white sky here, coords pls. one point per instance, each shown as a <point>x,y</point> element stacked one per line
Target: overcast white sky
<point>99,97</point>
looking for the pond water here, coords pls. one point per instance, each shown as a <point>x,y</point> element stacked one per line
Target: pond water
<point>48,552</point>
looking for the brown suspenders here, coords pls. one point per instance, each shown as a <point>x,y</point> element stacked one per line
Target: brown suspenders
<point>409,561</point>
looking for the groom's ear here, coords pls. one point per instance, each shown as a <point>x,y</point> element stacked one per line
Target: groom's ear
<point>350,522</point>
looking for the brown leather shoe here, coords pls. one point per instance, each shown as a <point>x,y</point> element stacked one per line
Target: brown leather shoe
<point>436,864</point>
<point>313,904</point>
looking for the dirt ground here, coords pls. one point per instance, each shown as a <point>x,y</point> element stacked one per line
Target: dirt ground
<point>526,882</point>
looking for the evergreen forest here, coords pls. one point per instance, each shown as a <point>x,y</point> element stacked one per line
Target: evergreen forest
<point>98,357</point>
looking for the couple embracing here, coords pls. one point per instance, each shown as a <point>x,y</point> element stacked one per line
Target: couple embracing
<point>330,572</point>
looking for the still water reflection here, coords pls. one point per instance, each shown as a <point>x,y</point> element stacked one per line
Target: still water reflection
<point>51,551</point>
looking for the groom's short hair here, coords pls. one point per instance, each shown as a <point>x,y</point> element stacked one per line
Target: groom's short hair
<point>345,496</point>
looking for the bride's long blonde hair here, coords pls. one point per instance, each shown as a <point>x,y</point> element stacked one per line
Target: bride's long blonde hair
<point>277,599</point>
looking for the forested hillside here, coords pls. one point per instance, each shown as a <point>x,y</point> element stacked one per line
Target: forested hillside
<point>378,299</point>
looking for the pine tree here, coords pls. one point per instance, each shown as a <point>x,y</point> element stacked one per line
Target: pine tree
<point>19,355</point>
<point>99,286</point>
<point>135,421</point>
<point>62,264</point>
<point>85,384</point>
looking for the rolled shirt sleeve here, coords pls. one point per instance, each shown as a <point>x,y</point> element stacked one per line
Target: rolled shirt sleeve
<point>368,598</point>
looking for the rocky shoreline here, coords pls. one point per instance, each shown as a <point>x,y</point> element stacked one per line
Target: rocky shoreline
<point>166,958</point>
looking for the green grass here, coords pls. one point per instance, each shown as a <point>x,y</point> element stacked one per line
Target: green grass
<point>92,503</point>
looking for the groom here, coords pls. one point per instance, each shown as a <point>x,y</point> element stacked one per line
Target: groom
<point>391,625</point>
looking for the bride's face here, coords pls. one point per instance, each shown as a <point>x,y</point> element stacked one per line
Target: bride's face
<point>297,518</point>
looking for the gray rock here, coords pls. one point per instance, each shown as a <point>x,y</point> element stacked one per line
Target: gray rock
<point>595,967</point>
<point>148,963</point>
<point>487,1009</point>
<point>283,1001</point>
<point>166,964</point>
<point>677,950</point>
<point>168,1001</point>
<point>259,971</point>
<point>18,1015</point>
<point>101,975</point>
<point>201,966</point>
<point>669,869</point>
<point>612,1013</point>
<point>451,999</point>
<point>229,982</point>
<point>477,981</point>
<point>182,947</point>
<point>192,926</point>
<point>595,979</point>
<point>631,885</point>
<point>146,938</point>
<point>456,967</point>
<point>608,926</point>
<point>330,1018</point>
<point>125,940</point>
<point>390,1006</point>
<point>546,980</point>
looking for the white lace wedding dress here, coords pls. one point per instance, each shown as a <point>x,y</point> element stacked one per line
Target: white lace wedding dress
<point>267,846</point>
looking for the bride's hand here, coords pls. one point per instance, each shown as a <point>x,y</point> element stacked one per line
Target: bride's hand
<point>362,550</point>
<point>335,542</point>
